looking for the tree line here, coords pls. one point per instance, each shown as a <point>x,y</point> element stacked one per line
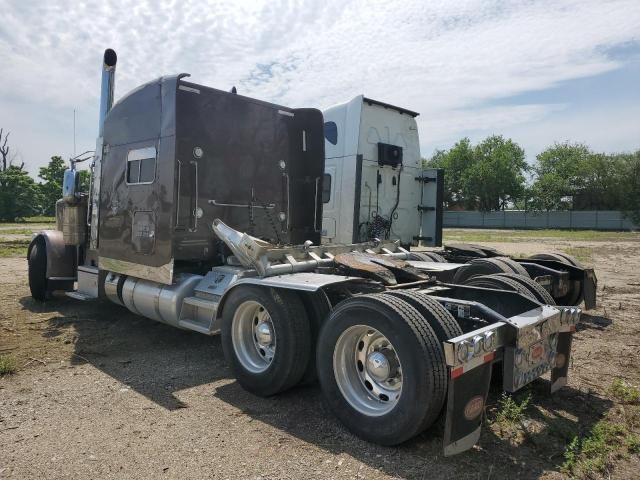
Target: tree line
<point>491,175</point>
<point>494,175</point>
<point>20,195</point>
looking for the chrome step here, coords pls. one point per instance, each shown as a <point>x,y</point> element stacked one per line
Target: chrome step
<point>195,326</point>
<point>80,296</point>
<point>201,303</point>
<point>198,314</point>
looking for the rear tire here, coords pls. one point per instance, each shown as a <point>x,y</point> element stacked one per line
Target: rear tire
<point>487,266</point>
<point>500,283</point>
<point>575,294</point>
<point>442,322</point>
<point>427,257</point>
<point>560,257</point>
<point>534,287</point>
<point>38,270</point>
<point>413,356</point>
<point>265,338</point>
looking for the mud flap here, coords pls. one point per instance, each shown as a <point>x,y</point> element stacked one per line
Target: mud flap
<point>563,356</point>
<point>465,407</point>
<point>589,288</point>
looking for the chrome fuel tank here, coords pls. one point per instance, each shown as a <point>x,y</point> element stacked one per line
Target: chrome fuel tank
<point>157,301</point>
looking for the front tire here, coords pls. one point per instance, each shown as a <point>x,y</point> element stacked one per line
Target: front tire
<point>38,270</point>
<point>265,338</point>
<point>381,368</point>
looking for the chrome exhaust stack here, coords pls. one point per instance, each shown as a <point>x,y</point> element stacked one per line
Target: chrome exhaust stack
<point>109,61</point>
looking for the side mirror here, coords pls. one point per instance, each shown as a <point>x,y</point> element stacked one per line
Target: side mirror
<point>70,185</point>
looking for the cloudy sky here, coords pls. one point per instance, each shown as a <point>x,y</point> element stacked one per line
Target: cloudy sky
<point>537,71</point>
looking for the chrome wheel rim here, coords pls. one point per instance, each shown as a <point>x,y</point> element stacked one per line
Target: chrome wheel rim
<point>253,336</point>
<point>367,370</point>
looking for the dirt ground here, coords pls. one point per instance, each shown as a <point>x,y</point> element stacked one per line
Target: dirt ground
<point>102,393</point>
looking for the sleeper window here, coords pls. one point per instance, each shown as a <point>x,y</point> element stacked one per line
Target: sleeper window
<point>331,132</point>
<point>141,165</point>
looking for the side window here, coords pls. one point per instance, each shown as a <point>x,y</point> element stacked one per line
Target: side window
<point>326,188</point>
<point>331,132</point>
<point>141,165</point>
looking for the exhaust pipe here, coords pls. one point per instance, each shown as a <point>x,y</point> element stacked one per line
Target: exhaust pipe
<point>109,61</point>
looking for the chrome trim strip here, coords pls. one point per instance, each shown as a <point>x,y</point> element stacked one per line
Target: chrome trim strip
<point>161,274</point>
<point>269,206</point>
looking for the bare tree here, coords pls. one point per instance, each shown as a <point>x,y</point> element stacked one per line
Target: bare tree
<point>4,151</point>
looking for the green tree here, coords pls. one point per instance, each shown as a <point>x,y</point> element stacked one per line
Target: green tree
<point>455,163</point>
<point>85,176</point>
<point>560,174</point>
<point>496,177</point>
<point>630,185</point>
<point>18,194</point>
<point>51,187</point>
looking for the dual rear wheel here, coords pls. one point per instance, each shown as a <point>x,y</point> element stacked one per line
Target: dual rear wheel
<point>379,358</point>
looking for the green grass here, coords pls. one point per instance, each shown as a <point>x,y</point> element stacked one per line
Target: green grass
<point>8,364</point>
<point>510,411</point>
<point>18,231</point>
<point>38,220</point>
<point>592,455</point>
<point>14,248</point>
<point>475,235</point>
<point>624,393</point>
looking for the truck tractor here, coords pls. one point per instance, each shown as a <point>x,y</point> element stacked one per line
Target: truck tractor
<point>205,212</point>
<point>374,186</point>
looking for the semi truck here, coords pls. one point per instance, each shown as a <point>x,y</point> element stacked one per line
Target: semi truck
<point>205,212</point>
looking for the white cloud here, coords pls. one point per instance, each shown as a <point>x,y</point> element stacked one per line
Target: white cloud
<point>445,59</point>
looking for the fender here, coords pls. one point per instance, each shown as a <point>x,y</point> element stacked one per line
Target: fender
<point>61,258</point>
<point>305,282</point>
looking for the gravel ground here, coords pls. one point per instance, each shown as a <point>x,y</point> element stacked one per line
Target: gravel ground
<point>101,393</point>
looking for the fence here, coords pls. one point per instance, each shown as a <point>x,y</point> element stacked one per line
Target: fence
<point>581,220</point>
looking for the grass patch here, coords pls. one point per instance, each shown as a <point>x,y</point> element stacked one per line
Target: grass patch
<point>476,235</point>
<point>624,393</point>
<point>592,455</point>
<point>7,364</point>
<point>14,248</point>
<point>38,220</point>
<point>510,411</point>
<point>18,231</point>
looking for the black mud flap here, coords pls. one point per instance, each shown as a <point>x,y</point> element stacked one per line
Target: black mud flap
<point>589,288</point>
<point>465,408</point>
<point>563,356</point>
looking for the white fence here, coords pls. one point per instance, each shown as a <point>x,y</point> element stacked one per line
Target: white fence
<point>582,220</point>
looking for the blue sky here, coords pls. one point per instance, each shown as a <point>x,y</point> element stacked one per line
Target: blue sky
<point>537,71</point>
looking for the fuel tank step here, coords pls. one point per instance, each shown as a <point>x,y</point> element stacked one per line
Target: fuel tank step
<point>198,314</point>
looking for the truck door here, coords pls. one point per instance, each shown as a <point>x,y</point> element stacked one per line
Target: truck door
<point>340,190</point>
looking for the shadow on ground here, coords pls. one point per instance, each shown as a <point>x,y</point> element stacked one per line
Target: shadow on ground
<point>593,322</point>
<point>157,360</point>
